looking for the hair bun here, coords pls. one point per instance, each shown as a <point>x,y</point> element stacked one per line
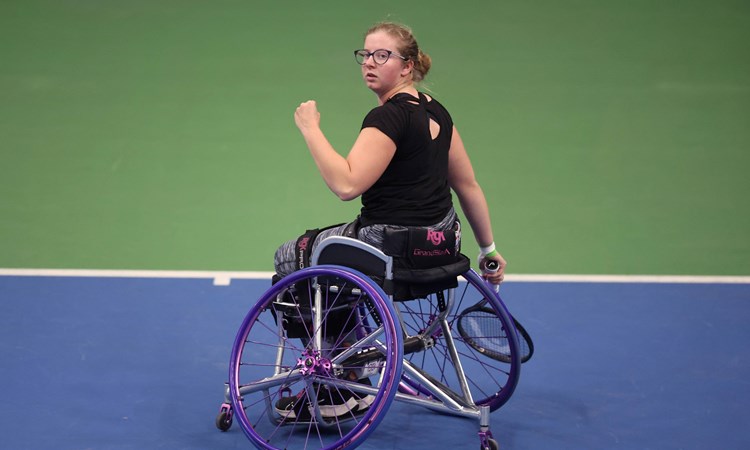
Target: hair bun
<point>422,66</point>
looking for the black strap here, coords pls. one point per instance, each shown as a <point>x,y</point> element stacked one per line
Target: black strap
<point>303,247</point>
<point>352,228</point>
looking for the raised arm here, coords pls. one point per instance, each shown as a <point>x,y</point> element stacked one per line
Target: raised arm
<point>473,204</point>
<point>348,177</point>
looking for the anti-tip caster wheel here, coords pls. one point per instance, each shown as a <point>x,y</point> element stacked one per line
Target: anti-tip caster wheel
<point>224,419</point>
<point>491,445</point>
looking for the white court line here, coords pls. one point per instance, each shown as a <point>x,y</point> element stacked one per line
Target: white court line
<point>221,278</point>
<point>676,279</point>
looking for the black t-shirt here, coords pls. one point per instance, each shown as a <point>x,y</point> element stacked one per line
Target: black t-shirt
<point>414,189</point>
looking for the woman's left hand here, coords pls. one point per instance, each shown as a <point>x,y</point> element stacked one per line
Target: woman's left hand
<point>498,276</point>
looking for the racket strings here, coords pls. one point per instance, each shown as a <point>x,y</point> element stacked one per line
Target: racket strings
<point>483,330</point>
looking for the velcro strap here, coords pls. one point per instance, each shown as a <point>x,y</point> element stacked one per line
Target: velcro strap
<point>433,274</point>
<point>303,247</point>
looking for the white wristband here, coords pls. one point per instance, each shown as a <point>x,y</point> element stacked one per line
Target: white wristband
<point>484,251</point>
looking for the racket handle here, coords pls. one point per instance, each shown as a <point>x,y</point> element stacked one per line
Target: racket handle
<point>492,266</point>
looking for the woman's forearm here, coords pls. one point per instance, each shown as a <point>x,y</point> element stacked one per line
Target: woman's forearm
<point>474,205</point>
<point>333,167</point>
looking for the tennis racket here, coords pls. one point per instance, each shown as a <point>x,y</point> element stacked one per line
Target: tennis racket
<point>481,329</point>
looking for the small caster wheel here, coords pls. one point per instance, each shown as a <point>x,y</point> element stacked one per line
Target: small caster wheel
<point>224,419</point>
<point>491,445</point>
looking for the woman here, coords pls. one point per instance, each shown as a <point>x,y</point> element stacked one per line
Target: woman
<point>407,157</point>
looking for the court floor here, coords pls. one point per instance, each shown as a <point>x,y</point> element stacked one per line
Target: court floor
<point>139,363</point>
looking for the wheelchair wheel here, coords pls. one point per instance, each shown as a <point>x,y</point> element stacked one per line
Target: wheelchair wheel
<point>316,375</point>
<point>489,381</point>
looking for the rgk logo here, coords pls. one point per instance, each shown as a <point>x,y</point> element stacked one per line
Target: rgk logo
<point>302,246</point>
<point>436,237</point>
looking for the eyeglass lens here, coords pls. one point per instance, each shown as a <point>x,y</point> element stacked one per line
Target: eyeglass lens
<point>379,56</point>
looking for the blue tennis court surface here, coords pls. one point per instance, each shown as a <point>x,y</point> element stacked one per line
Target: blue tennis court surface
<point>136,363</point>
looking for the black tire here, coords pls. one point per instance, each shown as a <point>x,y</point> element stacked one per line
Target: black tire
<point>223,421</point>
<point>493,445</point>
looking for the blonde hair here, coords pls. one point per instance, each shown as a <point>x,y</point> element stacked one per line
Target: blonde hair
<point>408,49</point>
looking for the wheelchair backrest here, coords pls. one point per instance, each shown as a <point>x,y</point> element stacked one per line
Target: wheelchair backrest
<point>401,284</point>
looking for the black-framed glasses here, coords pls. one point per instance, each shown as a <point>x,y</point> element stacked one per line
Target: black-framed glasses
<point>380,56</point>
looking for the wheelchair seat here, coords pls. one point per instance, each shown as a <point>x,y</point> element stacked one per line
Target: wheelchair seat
<point>399,282</point>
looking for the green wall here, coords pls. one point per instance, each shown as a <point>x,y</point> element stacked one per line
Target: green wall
<point>610,137</point>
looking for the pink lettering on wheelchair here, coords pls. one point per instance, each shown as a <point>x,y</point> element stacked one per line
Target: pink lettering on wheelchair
<point>436,252</point>
<point>436,237</point>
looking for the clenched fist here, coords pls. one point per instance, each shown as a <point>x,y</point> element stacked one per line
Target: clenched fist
<point>307,116</point>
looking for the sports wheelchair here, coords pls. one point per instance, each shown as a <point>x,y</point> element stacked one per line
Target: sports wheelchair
<point>332,343</point>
